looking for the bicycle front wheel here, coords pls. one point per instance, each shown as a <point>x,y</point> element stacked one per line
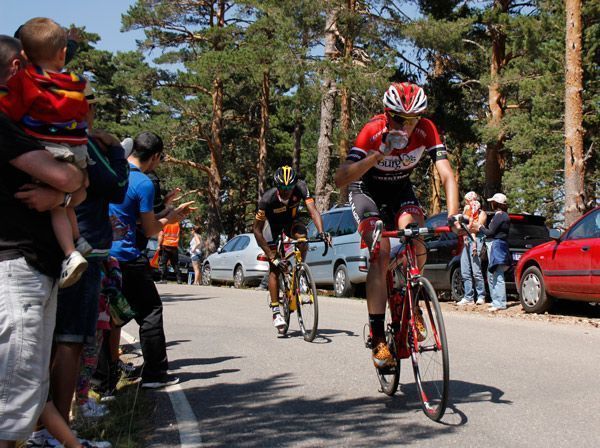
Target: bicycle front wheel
<point>308,302</point>
<point>429,353</point>
<point>284,301</point>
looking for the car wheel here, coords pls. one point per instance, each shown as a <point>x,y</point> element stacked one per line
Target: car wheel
<point>238,277</point>
<point>341,282</point>
<point>534,298</point>
<point>457,290</point>
<point>206,275</point>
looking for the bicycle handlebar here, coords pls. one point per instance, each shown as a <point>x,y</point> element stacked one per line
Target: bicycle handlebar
<point>414,232</point>
<point>288,240</point>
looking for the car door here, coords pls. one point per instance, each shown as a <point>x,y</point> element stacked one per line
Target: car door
<point>220,266</point>
<point>569,269</point>
<point>442,248</point>
<point>345,245</point>
<point>320,266</point>
<point>237,255</point>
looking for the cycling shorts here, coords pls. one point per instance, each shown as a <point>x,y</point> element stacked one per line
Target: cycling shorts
<point>383,204</point>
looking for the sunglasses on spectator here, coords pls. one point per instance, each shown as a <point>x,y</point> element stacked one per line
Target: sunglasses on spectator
<point>404,119</point>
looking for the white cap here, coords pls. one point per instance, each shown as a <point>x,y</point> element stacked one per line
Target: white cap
<point>499,198</point>
<point>127,145</point>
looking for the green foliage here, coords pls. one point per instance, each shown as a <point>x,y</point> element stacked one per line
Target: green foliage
<point>448,50</point>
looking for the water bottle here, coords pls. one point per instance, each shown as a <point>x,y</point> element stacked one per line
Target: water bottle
<point>190,277</point>
<point>396,140</point>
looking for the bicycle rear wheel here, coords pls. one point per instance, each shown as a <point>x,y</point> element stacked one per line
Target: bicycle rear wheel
<point>284,302</point>
<point>389,377</point>
<point>308,302</point>
<point>430,361</point>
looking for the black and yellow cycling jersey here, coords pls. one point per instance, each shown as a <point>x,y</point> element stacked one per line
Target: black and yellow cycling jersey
<point>281,215</point>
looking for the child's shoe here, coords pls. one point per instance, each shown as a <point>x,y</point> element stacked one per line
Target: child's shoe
<point>72,268</point>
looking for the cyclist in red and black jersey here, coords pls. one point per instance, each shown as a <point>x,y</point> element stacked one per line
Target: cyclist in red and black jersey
<point>279,205</point>
<point>377,170</point>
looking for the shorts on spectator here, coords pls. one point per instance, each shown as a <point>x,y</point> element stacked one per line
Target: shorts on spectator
<point>74,154</point>
<point>197,258</point>
<point>27,316</point>
<point>77,313</point>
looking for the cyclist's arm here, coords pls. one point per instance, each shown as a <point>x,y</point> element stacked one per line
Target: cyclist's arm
<point>258,227</point>
<point>450,186</point>
<point>315,215</point>
<point>350,171</point>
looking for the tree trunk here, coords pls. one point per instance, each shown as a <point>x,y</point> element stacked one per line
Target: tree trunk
<point>494,158</point>
<point>215,226</point>
<point>346,103</point>
<point>298,131</point>
<point>264,129</point>
<point>322,188</point>
<point>435,204</point>
<point>574,160</point>
<point>345,121</point>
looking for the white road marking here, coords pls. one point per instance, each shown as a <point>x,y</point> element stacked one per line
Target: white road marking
<point>187,425</point>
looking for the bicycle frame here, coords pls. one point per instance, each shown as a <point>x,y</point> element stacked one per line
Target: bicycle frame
<point>402,303</point>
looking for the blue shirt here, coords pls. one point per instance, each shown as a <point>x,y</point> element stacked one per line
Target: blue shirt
<point>138,199</point>
<point>108,183</point>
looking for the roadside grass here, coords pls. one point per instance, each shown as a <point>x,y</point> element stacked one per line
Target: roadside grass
<point>128,422</point>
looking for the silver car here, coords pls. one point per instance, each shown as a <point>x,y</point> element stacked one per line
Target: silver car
<point>345,266</point>
<point>240,261</point>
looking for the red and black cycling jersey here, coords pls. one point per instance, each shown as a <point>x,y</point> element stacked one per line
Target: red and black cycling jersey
<point>396,167</point>
<point>281,216</point>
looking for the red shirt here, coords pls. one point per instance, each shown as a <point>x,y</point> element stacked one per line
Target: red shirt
<point>399,163</point>
<point>48,106</point>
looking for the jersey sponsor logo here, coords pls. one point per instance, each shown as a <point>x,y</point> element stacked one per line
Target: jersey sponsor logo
<point>280,209</point>
<point>401,161</point>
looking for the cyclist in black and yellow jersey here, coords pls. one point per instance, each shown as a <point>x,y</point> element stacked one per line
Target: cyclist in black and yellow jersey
<point>279,205</point>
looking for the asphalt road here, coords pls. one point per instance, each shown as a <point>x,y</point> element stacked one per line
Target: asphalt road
<point>514,383</point>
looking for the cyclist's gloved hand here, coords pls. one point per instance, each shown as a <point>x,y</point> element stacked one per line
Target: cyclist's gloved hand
<point>282,265</point>
<point>326,237</point>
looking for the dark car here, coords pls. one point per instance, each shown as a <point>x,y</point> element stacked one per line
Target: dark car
<point>568,267</point>
<point>443,260</point>
<point>185,262</point>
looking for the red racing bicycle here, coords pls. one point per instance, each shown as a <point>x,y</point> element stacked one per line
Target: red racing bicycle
<point>414,322</point>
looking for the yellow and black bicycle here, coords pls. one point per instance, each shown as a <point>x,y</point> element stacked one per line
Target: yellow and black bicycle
<point>297,290</point>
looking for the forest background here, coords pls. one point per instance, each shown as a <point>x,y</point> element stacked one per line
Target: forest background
<point>241,87</point>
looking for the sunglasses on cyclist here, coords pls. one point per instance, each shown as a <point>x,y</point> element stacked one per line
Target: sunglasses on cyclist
<point>286,187</point>
<point>404,119</point>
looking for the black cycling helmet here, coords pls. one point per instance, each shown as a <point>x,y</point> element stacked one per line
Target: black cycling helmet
<point>285,178</point>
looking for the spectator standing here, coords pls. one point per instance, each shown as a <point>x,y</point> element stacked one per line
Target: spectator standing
<point>497,246</point>
<point>138,286</point>
<point>168,244</point>
<point>77,312</point>
<point>196,246</point>
<point>51,106</point>
<point>470,261</point>
<point>30,263</point>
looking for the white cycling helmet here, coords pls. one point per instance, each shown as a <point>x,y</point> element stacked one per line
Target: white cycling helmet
<point>405,98</point>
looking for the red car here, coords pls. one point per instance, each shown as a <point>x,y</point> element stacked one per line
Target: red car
<point>568,267</point>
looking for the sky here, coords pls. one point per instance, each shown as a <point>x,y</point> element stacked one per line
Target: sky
<point>102,17</point>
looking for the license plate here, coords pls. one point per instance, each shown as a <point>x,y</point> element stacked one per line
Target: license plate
<point>516,256</point>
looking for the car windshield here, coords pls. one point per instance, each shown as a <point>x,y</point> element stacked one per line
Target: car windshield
<point>527,232</point>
